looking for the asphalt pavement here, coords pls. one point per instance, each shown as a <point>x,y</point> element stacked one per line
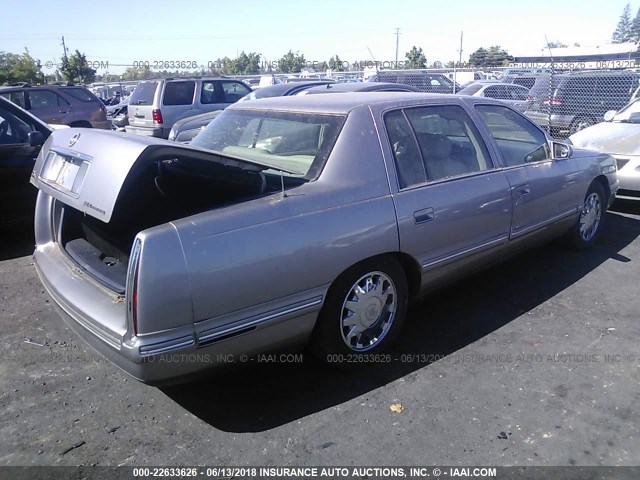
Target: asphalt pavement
<point>534,362</point>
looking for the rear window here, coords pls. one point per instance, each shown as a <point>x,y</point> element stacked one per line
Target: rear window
<point>541,87</point>
<point>81,94</point>
<point>179,93</point>
<point>298,144</point>
<point>471,89</point>
<point>144,93</point>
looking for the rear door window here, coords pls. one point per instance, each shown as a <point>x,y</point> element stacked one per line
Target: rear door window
<point>144,93</point>
<point>16,97</point>
<point>179,93</point>
<point>41,99</point>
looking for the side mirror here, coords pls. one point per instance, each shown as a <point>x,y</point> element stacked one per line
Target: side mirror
<point>609,115</point>
<point>560,151</point>
<point>35,139</point>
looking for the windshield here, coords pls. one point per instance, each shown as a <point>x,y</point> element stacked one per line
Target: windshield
<point>630,113</point>
<point>296,143</point>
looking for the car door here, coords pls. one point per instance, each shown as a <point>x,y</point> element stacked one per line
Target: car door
<point>233,91</point>
<point>48,106</point>
<point>451,202</point>
<point>543,190</point>
<point>17,196</point>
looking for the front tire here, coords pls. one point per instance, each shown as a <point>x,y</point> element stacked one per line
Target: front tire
<point>363,313</point>
<point>589,227</point>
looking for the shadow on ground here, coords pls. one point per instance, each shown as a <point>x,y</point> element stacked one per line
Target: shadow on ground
<point>16,242</point>
<point>264,397</point>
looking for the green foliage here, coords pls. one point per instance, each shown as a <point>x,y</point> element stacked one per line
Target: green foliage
<point>635,29</point>
<point>415,58</point>
<point>623,32</point>
<point>291,62</point>
<point>494,56</point>
<point>76,69</point>
<point>336,64</point>
<point>20,68</point>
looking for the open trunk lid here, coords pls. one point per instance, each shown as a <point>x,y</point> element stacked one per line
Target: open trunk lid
<point>86,169</point>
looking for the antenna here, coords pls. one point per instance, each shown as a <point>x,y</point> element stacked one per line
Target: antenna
<point>374,58</point>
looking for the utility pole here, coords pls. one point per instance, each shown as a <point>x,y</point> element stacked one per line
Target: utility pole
<point>64,48</point>
<point>459,63</point>
<point>397,44</point>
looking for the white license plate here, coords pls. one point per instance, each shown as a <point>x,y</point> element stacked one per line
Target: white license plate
<point>61,172</point>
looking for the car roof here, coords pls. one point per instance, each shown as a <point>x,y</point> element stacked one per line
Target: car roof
<point>343,104</point>
<point>360,87</point>
<point>282,88</point>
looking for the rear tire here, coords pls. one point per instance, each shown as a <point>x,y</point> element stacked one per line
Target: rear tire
<point>589,226</point>
<point>362,315</point>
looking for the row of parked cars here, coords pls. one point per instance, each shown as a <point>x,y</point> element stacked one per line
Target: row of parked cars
<point>298,217</point>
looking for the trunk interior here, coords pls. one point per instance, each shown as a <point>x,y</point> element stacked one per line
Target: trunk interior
<point>160,191</point>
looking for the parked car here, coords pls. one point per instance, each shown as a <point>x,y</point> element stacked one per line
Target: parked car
<point>296,220</point>
<point>424,81</point>
<point>155,105</point>
<point>361,87</point>
<point>119,115</point>
<point>185,130</point>
<point>514,95</point>
<point>21,136</point>
<point>619,136</point>
<point>579,99</point>
<point>63,105</point>
<point>527,80</point>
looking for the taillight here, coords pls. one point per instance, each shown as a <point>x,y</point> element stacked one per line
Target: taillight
<point>157,116</point>
<point>132,285</point>
<point>553,100</point>
<point>134,301</point>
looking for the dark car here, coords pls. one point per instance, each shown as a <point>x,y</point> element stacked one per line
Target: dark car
<point>73,105</point>
<point>186,129</point>
<point>570,102</point>
<point>363,87</point>
<point>424,81</point>
<point>21,136</point>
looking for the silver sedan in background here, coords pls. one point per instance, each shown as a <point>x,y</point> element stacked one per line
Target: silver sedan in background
<point>511,94</point>
<point>305,220</point>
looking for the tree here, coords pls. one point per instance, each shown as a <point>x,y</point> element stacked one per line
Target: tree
<point>291,62</point>
<point>76,69</point>
<point>245,64</point>
<point>635,28</point>
<point>336,64</point>
<point>20,68</point>
<point>623,31</point>
<point>493,57</point>
<point>415,58</point>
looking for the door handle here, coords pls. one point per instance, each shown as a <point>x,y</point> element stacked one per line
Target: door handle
<point>524,190</point>
<point>62,111</point>
<point>424,215</point>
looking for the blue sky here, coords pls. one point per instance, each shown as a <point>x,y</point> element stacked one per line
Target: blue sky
<point>203,31</point>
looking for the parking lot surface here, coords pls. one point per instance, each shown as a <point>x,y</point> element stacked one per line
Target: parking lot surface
<point>534,362</point>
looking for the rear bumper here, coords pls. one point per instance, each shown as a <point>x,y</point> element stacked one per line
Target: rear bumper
<point>98,316</point>
<point>158,132</point>
<point>558,122</point>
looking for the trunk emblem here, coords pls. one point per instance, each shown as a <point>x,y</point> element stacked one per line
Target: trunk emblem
<point>73,140</point>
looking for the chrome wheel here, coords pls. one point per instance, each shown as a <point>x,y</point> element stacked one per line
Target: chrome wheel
<point>368,311</point>
<point>590,216</point>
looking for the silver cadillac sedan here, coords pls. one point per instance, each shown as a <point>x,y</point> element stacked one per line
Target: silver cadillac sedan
<point>309,220</point>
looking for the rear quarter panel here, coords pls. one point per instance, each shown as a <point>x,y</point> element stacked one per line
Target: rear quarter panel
<point>275,251</point>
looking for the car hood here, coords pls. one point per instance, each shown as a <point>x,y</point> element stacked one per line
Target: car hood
<point>610,137</point>
<point>196,121</point>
